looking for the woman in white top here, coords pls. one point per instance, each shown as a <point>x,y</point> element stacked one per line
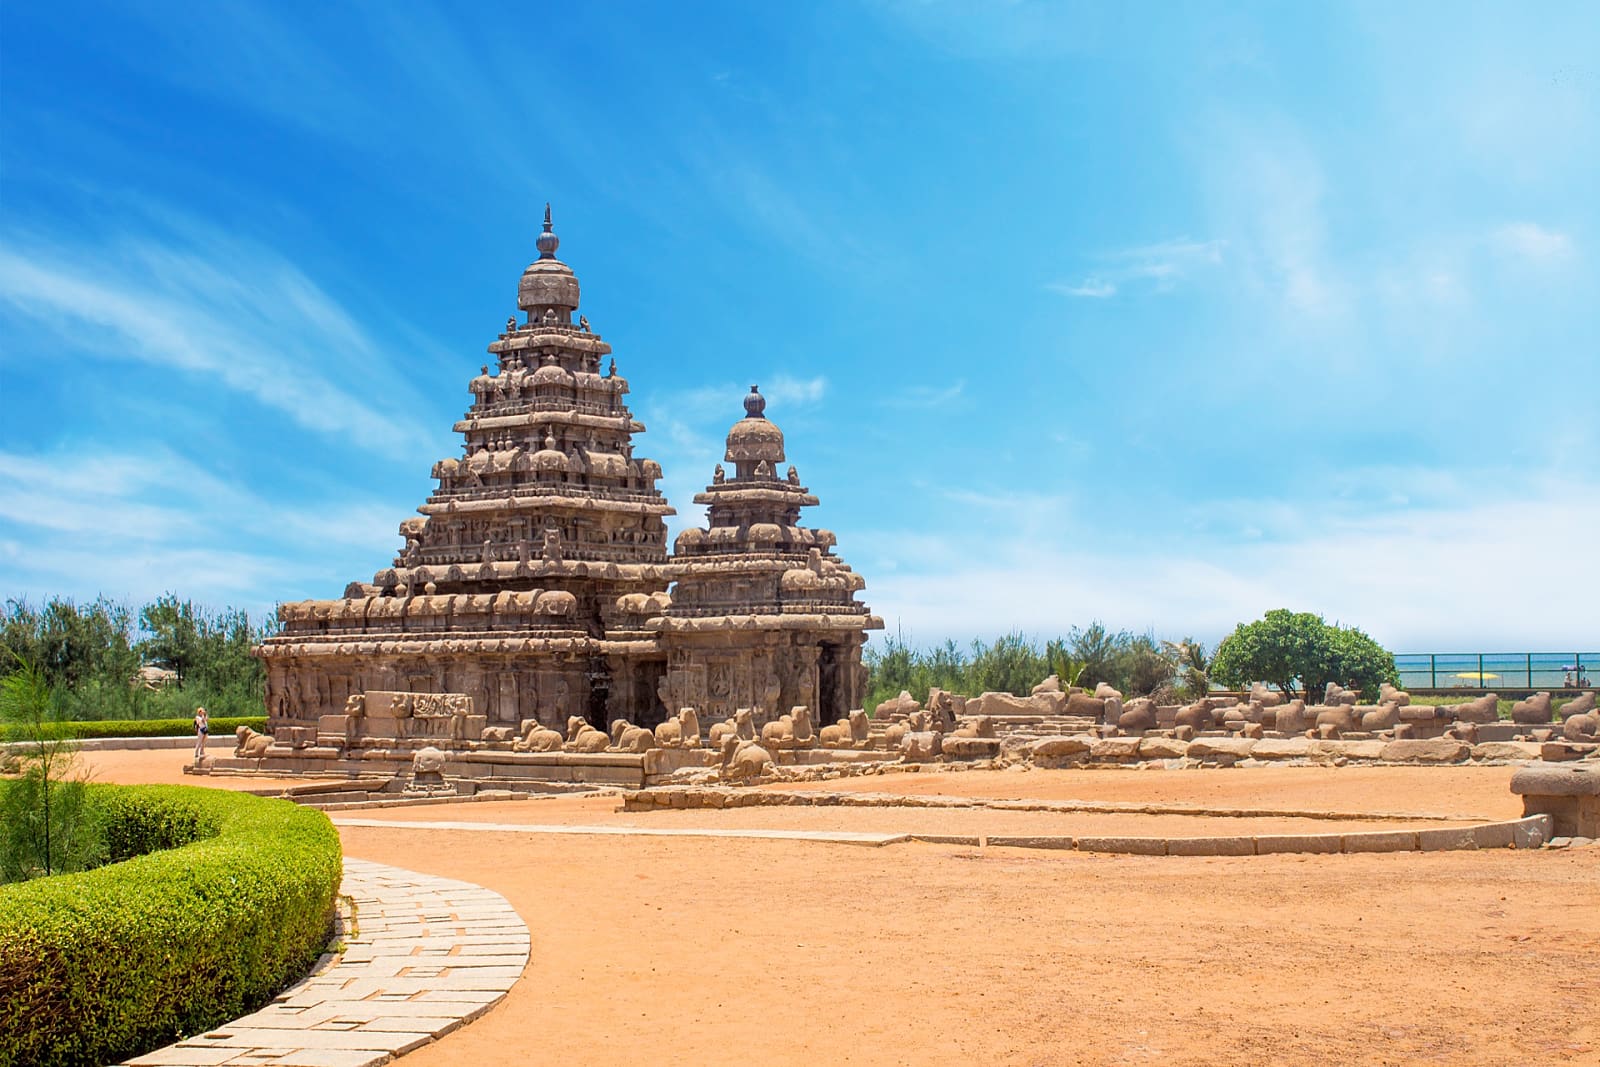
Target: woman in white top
<point>202,726</point>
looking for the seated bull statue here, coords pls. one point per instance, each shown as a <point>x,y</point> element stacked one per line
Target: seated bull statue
<point>581,737</point>
<point>1267,698</point>
<point>1336,695</point>
<point>1533,711</point>
<point>250,745</point>
<point>626,737</point>
<point>536,737</point>
<point>1138,716</point>
<point>743,760</point>
<point>680,731</point>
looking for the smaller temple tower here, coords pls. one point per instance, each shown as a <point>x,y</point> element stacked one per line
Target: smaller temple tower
<point>763,615</point>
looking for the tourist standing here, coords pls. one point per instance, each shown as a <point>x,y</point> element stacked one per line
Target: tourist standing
<point>202,726</point>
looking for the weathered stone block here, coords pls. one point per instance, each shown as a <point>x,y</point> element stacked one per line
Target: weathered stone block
<point>1208,748</point>
<point>1451,839</point>
<point>1162,748</point>
<point>971,747</point>
<point>1132,846</point>
<point>1569,795</point>
<point>1381,841</point>
<point>1211,846</point>
<point>1432,750</point>
<point>1266,844</point>
<point>1285,748</point>
<point>1115,748</point>
<point>1505,750</point>
<point>1060,746</point>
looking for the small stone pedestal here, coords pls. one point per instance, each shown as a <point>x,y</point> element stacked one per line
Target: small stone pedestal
<point>1569,794</point>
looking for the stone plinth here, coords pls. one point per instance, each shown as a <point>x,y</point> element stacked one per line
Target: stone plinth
<point>1569,794</point>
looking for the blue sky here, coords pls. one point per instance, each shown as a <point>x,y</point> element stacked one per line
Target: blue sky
<point>1162,315</point>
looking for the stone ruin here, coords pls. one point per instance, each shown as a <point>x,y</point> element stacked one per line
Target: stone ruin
<point>536,587</point>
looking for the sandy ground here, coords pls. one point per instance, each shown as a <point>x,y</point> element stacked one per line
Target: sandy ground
<point>688,950</point>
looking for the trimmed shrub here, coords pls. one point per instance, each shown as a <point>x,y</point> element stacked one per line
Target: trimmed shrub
<point>88,729</point>
<point>100,966</point>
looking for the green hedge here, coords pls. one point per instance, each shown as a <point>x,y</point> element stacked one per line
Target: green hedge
<point>101,966</point>
<point>86,729</point>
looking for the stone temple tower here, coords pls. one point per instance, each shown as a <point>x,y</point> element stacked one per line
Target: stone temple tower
<point>535,581</point>
<point>763,614</point>
<point>527,580</point>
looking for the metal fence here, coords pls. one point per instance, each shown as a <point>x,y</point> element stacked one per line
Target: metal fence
<point>1504,670</point>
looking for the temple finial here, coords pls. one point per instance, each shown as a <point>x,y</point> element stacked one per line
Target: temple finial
<point>548,241</point>
<point>754,404</point>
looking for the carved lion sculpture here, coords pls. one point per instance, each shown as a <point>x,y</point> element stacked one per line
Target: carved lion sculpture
<point>250,744</point>
<point>626,737</point>
<point>536,737</point>
<point>743,760</point>
<point>428,760</point>
<point>581,737</point>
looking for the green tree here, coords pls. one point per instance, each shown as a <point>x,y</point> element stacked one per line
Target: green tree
<point>1299,653</point>
<point>46,825</point>
<point>1193,666</point>
<point>174,641</point>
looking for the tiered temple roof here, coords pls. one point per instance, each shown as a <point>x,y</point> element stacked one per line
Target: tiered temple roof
<point>535,581</point>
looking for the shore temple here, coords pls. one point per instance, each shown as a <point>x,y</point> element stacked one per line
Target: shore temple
<point>536,580</point>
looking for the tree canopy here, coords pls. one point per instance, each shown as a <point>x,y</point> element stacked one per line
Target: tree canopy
<point>1300,653</point>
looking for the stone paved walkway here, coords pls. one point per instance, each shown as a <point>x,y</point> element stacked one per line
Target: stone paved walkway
<point>428,954</point>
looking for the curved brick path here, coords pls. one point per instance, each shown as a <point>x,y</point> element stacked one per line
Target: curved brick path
<point>429,955</point>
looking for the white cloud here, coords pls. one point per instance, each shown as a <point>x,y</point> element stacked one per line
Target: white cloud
<point>1534,243</point>
<point>106,519</point>
<point>1095,288</point>
<point>216,308</point>
<point>1462,573</point>
<point>924,397</point>
<point>1161,266</point>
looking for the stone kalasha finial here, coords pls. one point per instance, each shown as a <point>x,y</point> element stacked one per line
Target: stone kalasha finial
<point>755,404</point>
<point>548,242</point>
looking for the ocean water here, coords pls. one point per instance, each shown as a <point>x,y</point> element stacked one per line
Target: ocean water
<point>1505,670</point>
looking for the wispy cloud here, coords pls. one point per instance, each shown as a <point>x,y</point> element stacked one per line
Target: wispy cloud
<point>1158,266</point>
<point>1414,577</point>
<point>926,397</point>
<point>102,518</point>
<point>217,308</point>
<point>1534,244</point>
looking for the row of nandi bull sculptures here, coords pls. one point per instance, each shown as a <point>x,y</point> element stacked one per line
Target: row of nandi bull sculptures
<point>1254,713</point>
<point>790,731</point>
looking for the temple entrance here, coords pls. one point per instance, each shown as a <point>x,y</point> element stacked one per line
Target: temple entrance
<point>650,710</point>
<point>830,694</point>
<point>599,678</point>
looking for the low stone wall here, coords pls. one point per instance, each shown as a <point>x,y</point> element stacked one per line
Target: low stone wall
<point>1229,750</point>
<point>1529,832</point>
